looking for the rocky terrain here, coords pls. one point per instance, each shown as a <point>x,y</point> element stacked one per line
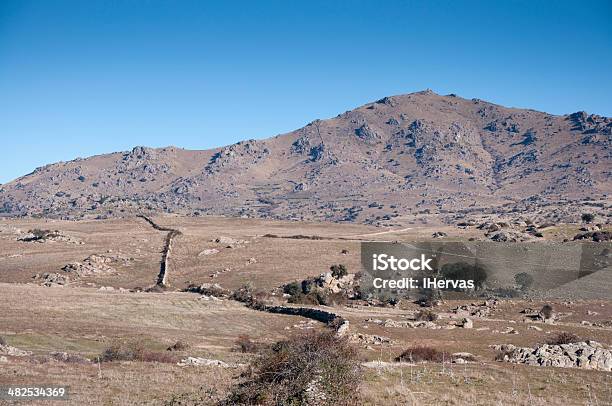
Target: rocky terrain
<point>420,157</point>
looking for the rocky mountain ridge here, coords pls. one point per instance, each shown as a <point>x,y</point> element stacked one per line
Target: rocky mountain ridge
<point>399,160</point>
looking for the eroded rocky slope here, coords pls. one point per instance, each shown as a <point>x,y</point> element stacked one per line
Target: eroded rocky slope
<point>386,163</point>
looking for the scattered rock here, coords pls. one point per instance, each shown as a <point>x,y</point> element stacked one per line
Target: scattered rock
<point>13,352</point>
<point>42,236</point>
<point>199,362</point>
<point>52,279</point>
<point>587,355</point>
<point>343,328</point>
<point>596,236</point>
<point>210,251</point>
<point>405,324</point>
<point>66,357</point>
<point>466,323</point>
<point>96,264</point>
<point>370,339</point>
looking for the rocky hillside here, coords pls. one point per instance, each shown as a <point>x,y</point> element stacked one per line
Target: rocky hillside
<point>388,162</point>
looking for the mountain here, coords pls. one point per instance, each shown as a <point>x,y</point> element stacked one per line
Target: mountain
<point>388,162</point>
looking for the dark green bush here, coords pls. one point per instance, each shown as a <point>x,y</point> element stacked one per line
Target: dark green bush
<point>465,271</point>
<point>338,271</point>
<point>292,288</point>
<point>587,217</point>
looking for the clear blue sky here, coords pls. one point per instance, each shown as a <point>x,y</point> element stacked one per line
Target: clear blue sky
<point>79,78</point>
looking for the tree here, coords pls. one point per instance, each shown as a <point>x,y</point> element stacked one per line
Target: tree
<point>338,271</point>
<point>587,217</point>
<point>464,271</point>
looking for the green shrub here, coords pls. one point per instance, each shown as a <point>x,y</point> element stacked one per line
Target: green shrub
<point>338,271</point>
<point>465,271</point>
<point>587,217</point>
<point>292,288</point>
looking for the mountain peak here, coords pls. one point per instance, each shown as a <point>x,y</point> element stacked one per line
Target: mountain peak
<point>380,163</point>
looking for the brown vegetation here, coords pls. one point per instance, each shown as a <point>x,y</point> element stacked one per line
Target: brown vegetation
<point>563,337</point>
<point>422,353</point>
<point>133,351</point>
<point>312,367</point>
<point>245,344</point>
<point>426,315</point>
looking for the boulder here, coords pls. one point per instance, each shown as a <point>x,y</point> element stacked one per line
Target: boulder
<point>466,323</point>
<point>585,354</point>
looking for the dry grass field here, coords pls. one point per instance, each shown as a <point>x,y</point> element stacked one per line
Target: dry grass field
<point>82,319</point>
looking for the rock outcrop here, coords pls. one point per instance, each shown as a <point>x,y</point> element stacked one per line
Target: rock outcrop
<point>584,354</point>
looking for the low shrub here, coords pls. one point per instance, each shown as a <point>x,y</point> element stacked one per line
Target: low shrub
<point>422,353</point>
<point>292,288</point>
<point>563,337</point>
<point>506,293</point>
<point>68,358</point>
<point>246,345</point>
<point>244,294</point>
<point>208,290</point>
<point>587,217</point>
<point>318,297</point>
<point>178,346</point>
<point>332,299</point>
<point>133,351</point>
<point>426,315</point>
<point>310,368</point>
<point>547,311</point>
<point>501,355</point>
<point>307,299</point>
<point>38,234</point>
